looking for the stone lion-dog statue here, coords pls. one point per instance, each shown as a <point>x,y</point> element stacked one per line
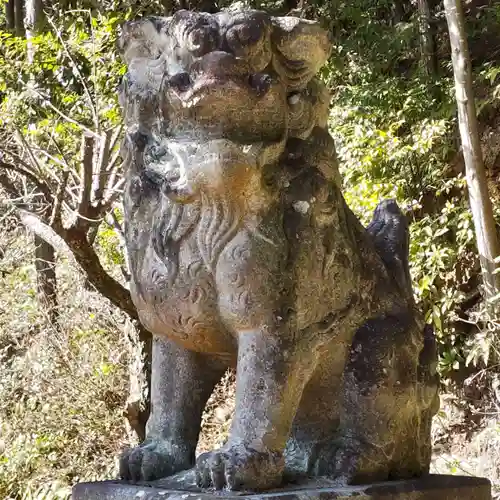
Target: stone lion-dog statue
<point>243,253</point>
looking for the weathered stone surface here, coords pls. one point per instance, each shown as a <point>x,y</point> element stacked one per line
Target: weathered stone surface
<point>244,254</point>
<point>426,488</point>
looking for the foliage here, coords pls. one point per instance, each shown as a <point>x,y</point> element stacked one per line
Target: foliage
<point>395,136</point>
<point>62,390</point>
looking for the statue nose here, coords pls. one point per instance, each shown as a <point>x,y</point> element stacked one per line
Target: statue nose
<point>217,64</point>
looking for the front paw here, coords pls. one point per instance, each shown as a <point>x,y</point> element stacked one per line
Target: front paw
<point>239,468</point>
<point>153,459</point>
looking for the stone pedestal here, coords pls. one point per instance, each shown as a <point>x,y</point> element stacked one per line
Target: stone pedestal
<point>432,487</point>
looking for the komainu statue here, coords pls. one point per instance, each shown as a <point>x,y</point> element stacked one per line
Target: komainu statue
<point>243,253</point>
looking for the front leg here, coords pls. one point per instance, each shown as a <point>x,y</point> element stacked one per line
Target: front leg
<point>271,375</point>
<point>181,383</point>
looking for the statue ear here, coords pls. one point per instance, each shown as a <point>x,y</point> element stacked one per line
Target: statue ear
<point>143,38</point>
<point>301,47</point>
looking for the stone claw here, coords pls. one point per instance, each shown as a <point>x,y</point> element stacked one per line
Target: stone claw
<point>151,460</point>
<point>239,467</point>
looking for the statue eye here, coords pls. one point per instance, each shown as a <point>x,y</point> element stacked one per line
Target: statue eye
<point>261,82</point>
<point>180,81</point>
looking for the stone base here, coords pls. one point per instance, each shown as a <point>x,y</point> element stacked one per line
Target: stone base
<point>432,487</point>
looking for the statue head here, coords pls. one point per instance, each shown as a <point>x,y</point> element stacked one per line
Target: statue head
<point>215,98</point>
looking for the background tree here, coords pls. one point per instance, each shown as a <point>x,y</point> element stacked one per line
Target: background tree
<point>10,15</point>
<point>427,41</point>
<point>69,194</point>
<point>480,202</point>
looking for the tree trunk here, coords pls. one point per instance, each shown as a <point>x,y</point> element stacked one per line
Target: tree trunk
<point>46,277</point>
<point>427,42</point>
<point>397,11</point>
<point>19,9</point>
<point>34,23</point>
<point>138,402</point>
<point>10,16</point>
<point>480,202</point>
<point>168,6</point>
<point>44,252</point>
<point>203,6</point>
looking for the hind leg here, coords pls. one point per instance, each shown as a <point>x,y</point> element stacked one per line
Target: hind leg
<point>381,408</point>
<point>181,384</point>
<point>311,445</point>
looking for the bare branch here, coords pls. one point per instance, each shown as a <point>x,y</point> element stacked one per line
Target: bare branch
<point>86,175</point>
<point>39,183</point>
<point>16,158</point>
<point>101,167</point>
<point>56,216</point>
<point>37,226</point>
<point>112,175</point>
<point>63,156</point>
<point>73,243</point>
<point>116,154</point>
<point>72,196</point>
<point>114,168</point>
<point>49,156</point>
<point>104,283</point>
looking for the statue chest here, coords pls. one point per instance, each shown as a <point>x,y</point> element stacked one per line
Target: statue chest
<point>176,295</point>
<point>200,290</point>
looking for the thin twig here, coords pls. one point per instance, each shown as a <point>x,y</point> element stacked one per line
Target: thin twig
<point>49,156</point>
<point>113,162</point>
<point>34,162</point>
<point>58,111</point>
<point>116,136</point>
<point>63,156</point>
<point>80,76</point>
<point>40,184</point>
<point>114,193</point>
<point>57,180</point>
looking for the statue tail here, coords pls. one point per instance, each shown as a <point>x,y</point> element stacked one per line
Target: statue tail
<point>389,230</point>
